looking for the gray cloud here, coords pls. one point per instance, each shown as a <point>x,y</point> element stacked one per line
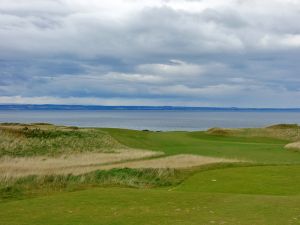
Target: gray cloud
<point>227,53</point>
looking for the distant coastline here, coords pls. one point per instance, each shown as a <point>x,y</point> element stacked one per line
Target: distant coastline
<point>167,108</point>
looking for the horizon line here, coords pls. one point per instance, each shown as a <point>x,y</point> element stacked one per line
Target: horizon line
<point>147,106</point>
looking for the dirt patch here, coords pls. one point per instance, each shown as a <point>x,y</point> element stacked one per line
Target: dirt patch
<point>176,161</point>
<point>67,164</point>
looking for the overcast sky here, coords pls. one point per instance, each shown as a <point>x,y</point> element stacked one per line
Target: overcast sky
<point>243,53</point>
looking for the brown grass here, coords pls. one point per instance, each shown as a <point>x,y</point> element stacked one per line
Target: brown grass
<point>34,140</point>
<point>219,131</point>
<point>176,161</point>
<point>66,164</point>
<point>82,163</point>
<point>289,132</point>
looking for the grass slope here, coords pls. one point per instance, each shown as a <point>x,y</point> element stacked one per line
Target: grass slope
<point>46,139</point>
<point>262,192</point>
<point>196,201</point>
<point>253,148</point>
<point>264,180</point>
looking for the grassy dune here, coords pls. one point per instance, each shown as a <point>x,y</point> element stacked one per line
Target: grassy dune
<point>249,177</point>
<point>43,139</point>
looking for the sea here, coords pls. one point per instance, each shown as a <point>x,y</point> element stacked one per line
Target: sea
<point>156,120</point>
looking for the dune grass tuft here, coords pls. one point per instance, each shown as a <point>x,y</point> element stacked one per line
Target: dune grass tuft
<point>43,139</point>
<point>12,188</point>
<point>290,132</point>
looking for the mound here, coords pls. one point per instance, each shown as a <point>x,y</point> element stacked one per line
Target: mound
<point>219,131</point>
<point>283,126</point>
<point>43,139</point>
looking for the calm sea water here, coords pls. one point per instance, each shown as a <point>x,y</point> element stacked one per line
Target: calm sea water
<point>152,120</point>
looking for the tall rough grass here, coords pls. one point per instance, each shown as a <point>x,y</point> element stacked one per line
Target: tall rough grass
<point>11,188</point>
<point>290,132</point>
<point>31,140</point>
<point>78,163</point>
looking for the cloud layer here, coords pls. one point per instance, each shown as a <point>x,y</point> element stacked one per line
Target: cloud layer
<point>151,52</point>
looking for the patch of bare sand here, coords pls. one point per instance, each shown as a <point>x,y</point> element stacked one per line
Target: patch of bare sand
<point>67,164</point>
<point>294,145</point>
<point>176,161</point>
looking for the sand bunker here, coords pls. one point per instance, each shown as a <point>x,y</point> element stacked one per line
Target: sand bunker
<point>66,164</point>
<point>294,145</point>
<point>176,161</point>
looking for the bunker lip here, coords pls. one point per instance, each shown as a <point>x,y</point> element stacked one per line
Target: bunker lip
<point>175,161</point>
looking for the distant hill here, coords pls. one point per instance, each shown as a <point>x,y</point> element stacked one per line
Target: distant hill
<point>101,107</point>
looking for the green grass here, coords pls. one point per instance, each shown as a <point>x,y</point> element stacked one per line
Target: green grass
<point>257,149</point>
<point>247,144</point>
<point>264,180</point>
<point>32,186</point>
<point>264,191</point>
<point>127,206</point>
<point>44,139</point>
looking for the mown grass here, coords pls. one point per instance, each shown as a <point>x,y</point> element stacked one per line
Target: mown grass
<point>186,205</point>
<point>258,149</point>
<point>263,180</point>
